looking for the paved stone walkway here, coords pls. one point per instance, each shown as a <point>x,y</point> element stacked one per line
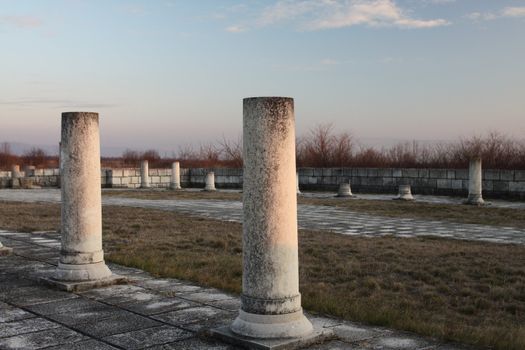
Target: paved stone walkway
<point>148,313</point>
<point>309,216</point>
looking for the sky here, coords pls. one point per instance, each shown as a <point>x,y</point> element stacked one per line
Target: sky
<point>168,73</point>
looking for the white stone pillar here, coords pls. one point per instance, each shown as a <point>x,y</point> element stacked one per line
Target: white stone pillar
<point>297,183</point>
<point>270,301</point>
<point>175,176</point>
<point>210,182</point>
<point>345,190</point>
<point>15,171</point>
<point>405,193</point>
<point>144,174</point>
<point>15,176</point>
<point>81,255</point>
<point>475,196</point>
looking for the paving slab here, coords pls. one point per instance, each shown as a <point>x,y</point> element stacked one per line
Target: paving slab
<point>84,345</point>
<point>122,322</point>
<point>42,339</point>
<point>148,337</point>
<point>30,325</point>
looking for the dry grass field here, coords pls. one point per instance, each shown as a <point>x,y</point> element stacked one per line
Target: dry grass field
<point>455,290</point>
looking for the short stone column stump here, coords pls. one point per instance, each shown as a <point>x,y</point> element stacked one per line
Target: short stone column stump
<point>209,185</point>
<point>405,193</point>
<point>345,191</point>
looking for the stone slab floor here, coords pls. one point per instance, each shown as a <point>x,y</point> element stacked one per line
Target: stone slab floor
<point>309,217</point>
<point>149,313</point>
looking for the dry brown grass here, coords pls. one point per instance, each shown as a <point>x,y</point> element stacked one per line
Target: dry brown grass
<point>465,291</point>
<point>168,194</point>
<point>400,209</point>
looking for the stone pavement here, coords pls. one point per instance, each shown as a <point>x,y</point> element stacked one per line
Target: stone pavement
<point>309,216</point>
<point>149,313</point>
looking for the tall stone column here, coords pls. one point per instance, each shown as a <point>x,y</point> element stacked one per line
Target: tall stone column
<point>144,174</point>
<point>209,185</point>
<point>81,254</point>
<point>175,176</point>
<point>475,182</point>
<point>297,189</point>
<point>271,303</point>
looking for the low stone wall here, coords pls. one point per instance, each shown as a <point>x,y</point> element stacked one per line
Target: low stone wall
<point>496,183</point>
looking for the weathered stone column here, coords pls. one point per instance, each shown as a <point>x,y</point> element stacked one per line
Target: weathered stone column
<point>15,176</point>
<point>210,182</point>
<point>81,255</point>
<point>475,196</point>
<point>175,176</point>
<point>297,183</point>
<point>345,190</point>
<point>405,193</point>
<point>271,303</point>
<point>144,174</point>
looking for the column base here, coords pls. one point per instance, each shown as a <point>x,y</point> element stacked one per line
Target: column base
<point>344,195</point>
<point>271,326</point>
<point>81,286</point>
<point>313,336</point>
<point>475,200</point>
<point>175,188</point>
<point>209,190</point>
<point>5,250</point>
<point>81,272</point>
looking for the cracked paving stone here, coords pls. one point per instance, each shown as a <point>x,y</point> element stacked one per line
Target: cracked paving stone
<point>87,315</point>
<point>84,345</point>
<point>29,325</point>
<point>194,344</point>
<point>62,306</point>
<point>10,313</point>
<point>191,315</point>
<point>42,339</point>
<point>148,337</point>
<point>159,305</point>
<point>121,323</point>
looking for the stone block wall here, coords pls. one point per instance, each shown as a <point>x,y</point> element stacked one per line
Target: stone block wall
<point>496,183</point>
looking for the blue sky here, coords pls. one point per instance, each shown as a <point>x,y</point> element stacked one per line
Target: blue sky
<point>172,72</point>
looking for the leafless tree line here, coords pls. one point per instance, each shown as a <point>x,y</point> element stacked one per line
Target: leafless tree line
<point>322,146</point>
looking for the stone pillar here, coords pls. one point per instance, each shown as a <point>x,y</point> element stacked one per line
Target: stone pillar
<point>210,182</point>
<point>270,301</point>
<point>15,171</point>
<point>297,183</point>
<point>15,176</point>
<point>175,176</point>
<point>81,255</point>
<point>144,174</point>
<point>345,190</point>
<point>405,193</point>
<point>475,182</point>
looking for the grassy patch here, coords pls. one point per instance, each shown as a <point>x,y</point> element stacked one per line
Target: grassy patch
<point>464,291</point>
<point>397,209</point>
